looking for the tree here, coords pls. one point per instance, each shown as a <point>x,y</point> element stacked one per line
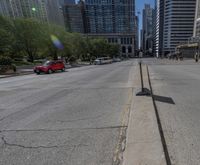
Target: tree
<point>6,36</point>
<point>56,42</point>
<point>113,50</point>
<point>29,37</point>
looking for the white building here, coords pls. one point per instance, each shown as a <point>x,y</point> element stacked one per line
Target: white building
<point>159,21</point>
<point>178,23</point>
<point>197,20</point>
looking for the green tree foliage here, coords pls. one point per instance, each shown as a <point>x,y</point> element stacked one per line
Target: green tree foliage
<point>28,38</point>
<point>6,35</point>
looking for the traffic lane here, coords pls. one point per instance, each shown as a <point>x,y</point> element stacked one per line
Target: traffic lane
<point>25,94</point>
<point>72,126</point>
<point>180,121</point>
<point>70,76</point>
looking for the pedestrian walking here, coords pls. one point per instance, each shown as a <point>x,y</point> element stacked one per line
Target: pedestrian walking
<point>141,54</point>
<point>196,57</point>
<point>181,56</point>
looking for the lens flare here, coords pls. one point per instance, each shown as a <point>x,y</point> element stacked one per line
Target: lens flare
<point>33,9</point>
<point>56,42</point>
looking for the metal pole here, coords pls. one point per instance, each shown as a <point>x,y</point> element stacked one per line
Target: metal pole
<point>198,48</point>
<point>142,83</point>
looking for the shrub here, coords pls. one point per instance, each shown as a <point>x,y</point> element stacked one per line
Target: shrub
<point>5,60</point>
<point>14,67</point>
<point>72,60</point>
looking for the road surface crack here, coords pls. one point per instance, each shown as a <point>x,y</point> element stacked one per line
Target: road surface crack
<point>6,143</point>
<point>60,130</point>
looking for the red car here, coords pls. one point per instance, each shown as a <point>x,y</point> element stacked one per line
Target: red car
<point>49,67</point>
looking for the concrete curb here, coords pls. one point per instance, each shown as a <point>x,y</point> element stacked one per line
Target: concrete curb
<point>15,75</point>
<point>143,146</point>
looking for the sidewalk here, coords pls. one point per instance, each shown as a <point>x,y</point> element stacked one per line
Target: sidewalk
<point>143,146</point>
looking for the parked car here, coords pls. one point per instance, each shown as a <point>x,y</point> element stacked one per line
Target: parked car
<point>116,59</point>
<point>102,60</point>
<point>49,67</point>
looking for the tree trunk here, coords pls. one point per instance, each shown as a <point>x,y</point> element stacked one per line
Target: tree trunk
<point>55,56</point>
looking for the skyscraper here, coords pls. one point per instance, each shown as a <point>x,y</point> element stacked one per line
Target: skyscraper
<point>147,28</point>
<point>197,20</point>
<point>11,8</point>
<point>114,20</point>
<point>159,12</point>
<point>54,11</point>
<point>42,10</point>
<point>178,25</point>
<point>136,32</point>
<point>66,2</point>
<point>154,32</point>
<point>174,24</point>
<point>73,14</point>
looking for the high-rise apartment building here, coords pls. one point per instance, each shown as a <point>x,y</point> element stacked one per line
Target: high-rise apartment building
<point>197,20</point>
<point>159,11</point>
<point>136,32</point>
<point>54,11</point>
<point>114,20</point>
<point>147,28</point>
<point>154,32</point>
<point>174,24</point>
<point>178,25</point>
<point>141,39</point>
<point>43,10</point>
<point>73,14</point>
<point>66,2</point>
<point>11,8</point>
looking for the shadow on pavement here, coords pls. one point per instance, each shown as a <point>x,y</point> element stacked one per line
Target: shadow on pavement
<point>164,99</point>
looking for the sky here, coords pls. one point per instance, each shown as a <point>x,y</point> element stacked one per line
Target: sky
<point>140,6</point>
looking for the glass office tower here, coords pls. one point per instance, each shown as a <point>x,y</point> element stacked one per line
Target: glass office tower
<point>114,20</point>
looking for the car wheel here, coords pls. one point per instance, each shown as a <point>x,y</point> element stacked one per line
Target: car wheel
<point>37,72</point>
<point>63,69</point>
<point>50,71</point>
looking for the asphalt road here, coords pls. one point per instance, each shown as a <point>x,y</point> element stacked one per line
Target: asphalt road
<point>71,118</point>
<point>180,81</point>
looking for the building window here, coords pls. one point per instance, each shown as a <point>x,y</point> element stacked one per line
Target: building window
<point>129,49</point>
<point>123,49</point>
<point>122,41</point>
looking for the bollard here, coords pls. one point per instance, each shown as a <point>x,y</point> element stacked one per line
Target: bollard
<point>141,77</point>
<point>144,91</point>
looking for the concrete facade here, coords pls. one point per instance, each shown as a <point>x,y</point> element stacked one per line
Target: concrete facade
<point>196,32</point>
<point>178,25</point>
<point>159,7</point>
<point>43,10</point>
<point>147,27</point>
<point>55,12</point>
<point>73,14</point>
<point>125,41</point>
<point>113,19</point>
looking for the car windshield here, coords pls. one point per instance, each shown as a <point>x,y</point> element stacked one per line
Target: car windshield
<point>47,63</point>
